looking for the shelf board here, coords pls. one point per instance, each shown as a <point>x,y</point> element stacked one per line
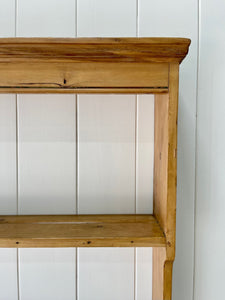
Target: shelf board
<point>80,231</point>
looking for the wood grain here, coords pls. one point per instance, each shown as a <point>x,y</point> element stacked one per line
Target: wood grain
<point>106,65</point>
<point>95,49</point>
<point>65,75</point>
<point>165,176</point>
<point>80,231</point>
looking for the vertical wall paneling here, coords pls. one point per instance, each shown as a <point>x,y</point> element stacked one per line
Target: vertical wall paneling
<point>210,192</point>
<point>106,165</point>
<point>144,188</point>
<point>46,154</point>
<point>107,126</point>
<point>106,18</point>
<point>8,172</point>
<point>179,18</point>
<point>145,154</point>
<point>44,18</point>
<point>47,274</point>
<point>143,274</point>
<point>8,274</point>
<point>47,158</point>
<point>47,186</point>
<point>106,154</point>
<point>105,274</point>
<point>8,197</point>
<point>7,18</point>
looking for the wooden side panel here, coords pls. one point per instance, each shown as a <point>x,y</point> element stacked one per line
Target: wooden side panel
<point>83,75</point>
<point>161,158</point>
<point>162,275</point>
<point>165,178</point>
<point>180,18</point>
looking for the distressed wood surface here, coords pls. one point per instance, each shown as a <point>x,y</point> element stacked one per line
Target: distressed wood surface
<point>80,231</point>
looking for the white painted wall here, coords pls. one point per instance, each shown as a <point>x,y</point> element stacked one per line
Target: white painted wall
<point>210,191</point>
<point>46,172</point>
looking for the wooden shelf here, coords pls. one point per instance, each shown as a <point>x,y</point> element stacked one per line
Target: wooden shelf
<point>105,65</point>
<point>81,231</point>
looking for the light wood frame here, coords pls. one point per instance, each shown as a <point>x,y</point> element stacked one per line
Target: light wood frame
<point>104,65</point>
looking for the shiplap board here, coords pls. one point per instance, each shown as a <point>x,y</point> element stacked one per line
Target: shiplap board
<point>144,189</point>
<point>47,154</point>
<point>143,274</point>
<point>46,18</point>
<point>179,19</point>
<point>145,154</point>
<point>8,274</point>
<point>47,274</point>
<point>106,184</point>
<point>105,273</point>
<point>47,185</point>
<point>210,192</point>
<point>8,170</point>
<point>106,18</point>
<point>8,195</point>
<point>7,18</point>
<point>106,154</point>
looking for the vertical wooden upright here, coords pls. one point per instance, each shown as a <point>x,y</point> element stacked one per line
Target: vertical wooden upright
<point>165,180</point>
